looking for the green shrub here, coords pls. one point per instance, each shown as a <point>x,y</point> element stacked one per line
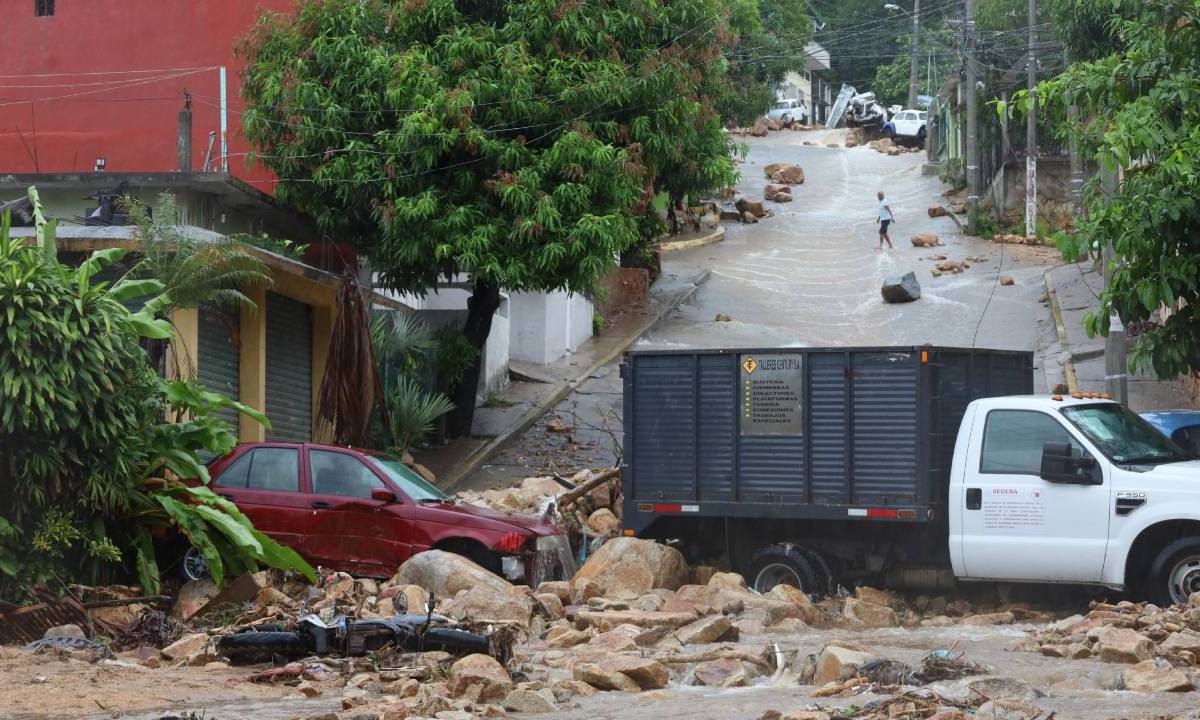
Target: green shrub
<point>88,468</point>
<point>953,173</point>
<point>597,323</point>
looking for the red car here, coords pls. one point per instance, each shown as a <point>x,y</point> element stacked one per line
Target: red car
<point>365,513</point>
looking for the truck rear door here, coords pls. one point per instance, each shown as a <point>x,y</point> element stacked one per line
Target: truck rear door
<point>1011,524</point>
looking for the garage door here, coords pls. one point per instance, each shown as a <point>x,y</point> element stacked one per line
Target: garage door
<point>289,369</point>
<point>218,363</point>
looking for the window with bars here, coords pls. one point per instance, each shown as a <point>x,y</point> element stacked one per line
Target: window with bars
<point>43,8</point>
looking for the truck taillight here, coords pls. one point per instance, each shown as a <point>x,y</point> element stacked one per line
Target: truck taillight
<point>511,543</point>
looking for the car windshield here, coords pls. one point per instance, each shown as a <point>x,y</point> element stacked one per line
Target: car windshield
<point>1122,435</point>
<point>412,484</point>
<point>782,106</point>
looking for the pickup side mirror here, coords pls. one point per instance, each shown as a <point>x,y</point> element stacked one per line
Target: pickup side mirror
<point>1059,465</point>
<point>383,495</point>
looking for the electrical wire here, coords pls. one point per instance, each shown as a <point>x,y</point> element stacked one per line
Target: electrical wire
<point>137,83</point>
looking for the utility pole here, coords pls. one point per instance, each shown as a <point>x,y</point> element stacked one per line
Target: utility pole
<point>912,70</point>
<point>972,151</point>
<point>1031,130</point>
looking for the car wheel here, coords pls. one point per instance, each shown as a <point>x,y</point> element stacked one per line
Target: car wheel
<point>1175,573</point>
<point>193,566</point>
<point>921,135</point>
<point>889,133</point>
<point>782,564</point>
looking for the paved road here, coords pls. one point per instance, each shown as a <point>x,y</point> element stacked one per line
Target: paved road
<point>810,276</point>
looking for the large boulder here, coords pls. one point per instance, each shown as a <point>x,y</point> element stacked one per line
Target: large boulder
<point>901,288</point>
<point>531,701</point>
<point>1178,642</point>
<point>629,565</point>
<point>936,211</point>
<point>447,574</point>
<point>796,596</point>
<point>648,673</point>
<point>925,240</point>
<point>482,672</point>
<point>603,678</point>
<point>787,174</point>
<point>723,672</point>
<point>865,614</point>
<point>750,205</point>
<point>759,130</point>
<point>836,663</point>
<point>604,621</point>
<point>778,193</point>
<point>484,604</point>
<point>705,630</point>
<point>1156,675</point>
<point>1122,645</point>
<point>603,523</point>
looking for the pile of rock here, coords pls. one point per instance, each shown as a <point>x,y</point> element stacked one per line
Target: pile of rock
<point>598,509</point>
<point>1161,645</point>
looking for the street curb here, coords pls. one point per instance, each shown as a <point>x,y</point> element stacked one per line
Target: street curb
<point>449,482</point>
<point>1061,328</point>
<point>668,246</point>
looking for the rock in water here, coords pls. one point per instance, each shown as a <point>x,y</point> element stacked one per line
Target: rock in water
<point>751,205</point>
<point>901,288</point>
<point>925,240</point>
<point>1156,675</point>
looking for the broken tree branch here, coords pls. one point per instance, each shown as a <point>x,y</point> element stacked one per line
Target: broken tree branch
<point>568,498</point>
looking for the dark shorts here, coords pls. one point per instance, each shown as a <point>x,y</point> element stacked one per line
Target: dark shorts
<point>883,226</point>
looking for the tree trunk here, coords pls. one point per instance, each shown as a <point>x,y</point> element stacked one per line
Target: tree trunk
<point>481,308</point>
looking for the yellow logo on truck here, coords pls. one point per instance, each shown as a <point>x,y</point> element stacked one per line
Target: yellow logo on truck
<point>749,365</point>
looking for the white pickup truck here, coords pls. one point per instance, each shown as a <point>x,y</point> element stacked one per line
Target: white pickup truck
<point>912,466</point>
<point>1073,490</point>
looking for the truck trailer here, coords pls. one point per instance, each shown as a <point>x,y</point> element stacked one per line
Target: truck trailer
<point>915,466</point>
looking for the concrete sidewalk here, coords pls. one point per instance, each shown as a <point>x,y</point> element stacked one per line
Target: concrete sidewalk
<point>536,389</point>
<point>1074,291</point>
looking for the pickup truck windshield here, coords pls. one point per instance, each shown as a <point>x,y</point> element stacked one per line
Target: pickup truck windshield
<point>1123,436</point>
<point>411,483</point>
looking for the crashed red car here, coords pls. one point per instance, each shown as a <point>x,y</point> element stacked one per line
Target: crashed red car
<point>365,513</point>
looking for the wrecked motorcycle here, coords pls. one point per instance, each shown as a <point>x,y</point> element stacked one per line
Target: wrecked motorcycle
<point>349,637</point>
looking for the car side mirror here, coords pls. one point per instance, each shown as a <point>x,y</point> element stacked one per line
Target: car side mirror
<point>383,495</point>
<point>1059,465</point>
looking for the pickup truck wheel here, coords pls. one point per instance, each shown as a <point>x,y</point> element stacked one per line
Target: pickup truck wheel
<point>1175,573</point>
<point>782,564</point>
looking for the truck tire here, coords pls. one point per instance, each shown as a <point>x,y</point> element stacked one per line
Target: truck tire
<point>782,564</point>
<point>1175,573</point>
<point>826,582</point>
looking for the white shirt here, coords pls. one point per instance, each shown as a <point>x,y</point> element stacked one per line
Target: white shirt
<point>884,206</point>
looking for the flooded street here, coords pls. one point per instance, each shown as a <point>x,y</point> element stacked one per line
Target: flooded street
<point>811,274</point>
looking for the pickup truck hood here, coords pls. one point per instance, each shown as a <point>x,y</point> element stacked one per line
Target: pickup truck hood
<point>529,523</point>
<point>1181,471</point>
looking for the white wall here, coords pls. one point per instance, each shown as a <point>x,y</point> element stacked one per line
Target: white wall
<point>545,326</point>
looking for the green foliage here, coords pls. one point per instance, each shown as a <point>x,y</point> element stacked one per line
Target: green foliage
<point>935,60</point>
<point>771,42</point>
<point>597,323</point>
<point>84,457</point>
<point>985,225</point>
<point>455,355</point>
<point>279,246</point>
<point>401,343</point>
<point>1143,122</point>
<point>953,173</point>
<point>507,140</point>
<point>192,269</point>
<point>413,411</point>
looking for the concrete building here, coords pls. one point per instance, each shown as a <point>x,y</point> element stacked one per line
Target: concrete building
<point>812,85</point>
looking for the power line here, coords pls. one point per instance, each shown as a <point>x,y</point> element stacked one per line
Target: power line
<point>136,83</point>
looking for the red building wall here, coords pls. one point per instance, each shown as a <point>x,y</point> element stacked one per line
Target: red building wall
<point>106,78</point>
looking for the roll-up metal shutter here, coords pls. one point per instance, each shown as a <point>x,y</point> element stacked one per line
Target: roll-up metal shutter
<point>218,362</point>
<point>289,369</point>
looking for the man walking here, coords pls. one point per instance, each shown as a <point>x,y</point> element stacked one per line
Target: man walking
<point>885,218</point>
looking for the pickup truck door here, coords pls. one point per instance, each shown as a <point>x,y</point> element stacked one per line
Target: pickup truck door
<point>1013,524</point>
